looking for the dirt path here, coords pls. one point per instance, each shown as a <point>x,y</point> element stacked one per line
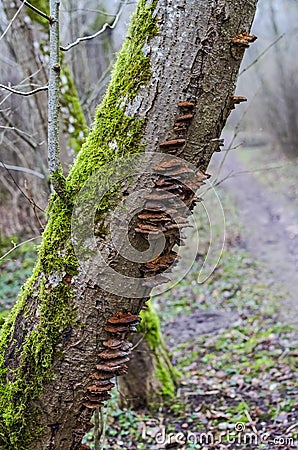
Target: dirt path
<point>270,228</point>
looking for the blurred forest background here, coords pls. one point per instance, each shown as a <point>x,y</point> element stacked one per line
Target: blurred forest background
<point>234,327</point>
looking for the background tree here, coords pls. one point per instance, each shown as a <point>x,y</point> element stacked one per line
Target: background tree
<point>55,341</point>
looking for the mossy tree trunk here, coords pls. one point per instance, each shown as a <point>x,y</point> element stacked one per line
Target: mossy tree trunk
<point>66,337</point>
<point>151,376</point>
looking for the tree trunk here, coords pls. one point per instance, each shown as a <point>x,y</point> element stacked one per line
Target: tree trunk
<point>171,92</point>
<point>151,376</point>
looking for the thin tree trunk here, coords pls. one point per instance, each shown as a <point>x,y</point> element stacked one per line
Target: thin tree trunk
<point>66,337</point>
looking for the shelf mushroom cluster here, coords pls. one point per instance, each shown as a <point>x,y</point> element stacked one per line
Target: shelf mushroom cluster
<point>113,358</point>
<point>165,214</point>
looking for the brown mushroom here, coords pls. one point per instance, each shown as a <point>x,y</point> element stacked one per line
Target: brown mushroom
<point>184,118</point>
<point>109,364</point>
<point>180,128</point>
<point>96,389</point>
<point>153,216</point>
<point>172,143</point>
<point>159,194</point>
<point>168,163</point>
<point>243,39</point>
<point>160,264</point>
<point>98,397</point>
<point>115,329</point>
<point>238,99</point>
<point>111,354</point>
<point>187,105</point>
<point>123,318</point>
<point>101,375</point>
<point>113,343</point>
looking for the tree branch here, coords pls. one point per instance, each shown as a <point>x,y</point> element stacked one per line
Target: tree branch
<point>32,202</point>
<point>38,11</point>
<point>55,168</point>
<point>17,246</point>
<point>101,31</point>
<point>22,169</point>
<point>11,22</point>
<point>25,94</point>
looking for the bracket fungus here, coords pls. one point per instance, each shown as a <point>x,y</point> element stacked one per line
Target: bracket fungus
<point>113,358</point>
<point>186,105</point>
<point>172,143</point>
<point>184,118</point>
<point>243,39</point>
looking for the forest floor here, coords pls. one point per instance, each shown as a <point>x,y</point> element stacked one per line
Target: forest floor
<point>232,338</point>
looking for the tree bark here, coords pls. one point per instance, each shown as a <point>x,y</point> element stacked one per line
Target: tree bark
<point>151,376</point>
<point>171,92</point>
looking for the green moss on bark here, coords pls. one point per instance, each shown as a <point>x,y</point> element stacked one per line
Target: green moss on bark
<point>166,373</point>
<point>48,292</point>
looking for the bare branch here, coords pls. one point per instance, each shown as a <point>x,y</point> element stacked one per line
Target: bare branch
<point>25,94</point>
<point>32,202</point>
<point>38,11</point>
<point>11,22</point>
<point>17,246</point>
<point>19,188</point>
<point>22,169</point>
<point>101,31</point>
<point>26,137</point>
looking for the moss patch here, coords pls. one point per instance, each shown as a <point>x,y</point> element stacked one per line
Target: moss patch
<point>114,135</point>
<point>166,373</point>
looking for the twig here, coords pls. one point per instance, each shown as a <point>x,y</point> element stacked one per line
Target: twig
<point>22,169</point>
<point>19,188</point>
<point>17,246</point>
<point>38,11</point>
<point>22,134</point>
<point>252,424</point>
<point>92,36</point>
<point>291,427</point>
<point>33,205</point>
<point>233,174</point>
<point>262,54</point>
<point>25,94</point>
<point>13,128</point>
<point>11,22</point>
